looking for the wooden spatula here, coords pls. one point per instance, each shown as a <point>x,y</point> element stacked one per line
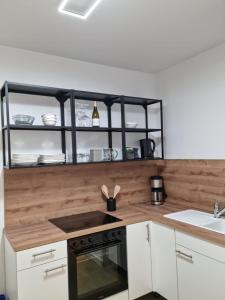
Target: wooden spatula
<point>116,191</point>
<point>105,191</point>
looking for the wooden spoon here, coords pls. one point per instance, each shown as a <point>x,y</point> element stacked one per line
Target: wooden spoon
<point>116,191</point>
<point>105,191</point>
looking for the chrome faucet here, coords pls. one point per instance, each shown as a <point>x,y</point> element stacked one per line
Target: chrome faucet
<point>217,211</point>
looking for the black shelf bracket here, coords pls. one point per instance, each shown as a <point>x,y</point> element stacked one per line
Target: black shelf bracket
<point>108,102</point>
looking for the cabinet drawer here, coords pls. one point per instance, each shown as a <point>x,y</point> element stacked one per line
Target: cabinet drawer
<point>201,246</point>
<point>40,255</point>
<point>46,282</point>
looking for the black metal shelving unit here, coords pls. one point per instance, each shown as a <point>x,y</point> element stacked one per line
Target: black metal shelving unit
<point>63,95</point>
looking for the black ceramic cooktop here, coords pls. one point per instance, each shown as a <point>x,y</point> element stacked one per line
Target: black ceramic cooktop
<point>83,221</point>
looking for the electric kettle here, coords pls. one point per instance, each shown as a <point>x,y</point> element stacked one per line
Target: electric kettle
<point>147,148</point>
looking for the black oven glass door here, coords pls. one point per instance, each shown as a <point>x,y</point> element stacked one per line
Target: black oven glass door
<point>101,272</point>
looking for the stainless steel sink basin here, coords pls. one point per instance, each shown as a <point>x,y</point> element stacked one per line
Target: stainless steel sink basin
<point>199,219</point>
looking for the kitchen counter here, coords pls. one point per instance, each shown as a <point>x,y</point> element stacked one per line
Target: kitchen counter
<point>23,237</point>
<point>29,236</point>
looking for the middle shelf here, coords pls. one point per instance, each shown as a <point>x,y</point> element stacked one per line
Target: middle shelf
<point>69,128</point>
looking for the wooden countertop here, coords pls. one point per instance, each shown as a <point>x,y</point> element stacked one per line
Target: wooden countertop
<point>25,237</point>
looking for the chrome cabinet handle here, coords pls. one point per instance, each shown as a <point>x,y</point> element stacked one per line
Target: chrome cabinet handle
<point>148,233</point>
<point>184,254</point>
<point>43,253</point>
<point>55,269</point>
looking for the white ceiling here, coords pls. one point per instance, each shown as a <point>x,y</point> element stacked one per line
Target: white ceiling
<point>144,35</point>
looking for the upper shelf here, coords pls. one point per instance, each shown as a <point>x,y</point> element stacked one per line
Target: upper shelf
<point>63,94</point>
<point>35,90</point>
<point>138,100</point>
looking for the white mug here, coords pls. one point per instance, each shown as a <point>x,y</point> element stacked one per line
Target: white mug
<point>110,154</point>
<point>96,155</point>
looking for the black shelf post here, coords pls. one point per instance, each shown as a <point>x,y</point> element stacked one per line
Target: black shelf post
<point>108,103</point>
<point>123,123</point>
<point>146,125</point>
<point>63,132</point>
<point>73,123</point>
<point>3,132</point>
<point>8,124</point>
<point>162,129</point>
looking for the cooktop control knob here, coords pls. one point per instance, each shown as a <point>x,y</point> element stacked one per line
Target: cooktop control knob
<point>107,237</point>
<point>111,236</point>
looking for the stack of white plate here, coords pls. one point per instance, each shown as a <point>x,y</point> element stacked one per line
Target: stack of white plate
<point>24,159</point>
<point>52,158</point>
<point>49,119</point>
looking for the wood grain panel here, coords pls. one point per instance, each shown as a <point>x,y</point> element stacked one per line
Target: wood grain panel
<point>35,195</point>
<point>198,183</point>
<point>28,236</point>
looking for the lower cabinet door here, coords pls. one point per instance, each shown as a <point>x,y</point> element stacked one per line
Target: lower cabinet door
<point>199,277</point>
<point>139,260</point>
<point>120,296</point>
<point>45,282</point>
<point>164,265</point>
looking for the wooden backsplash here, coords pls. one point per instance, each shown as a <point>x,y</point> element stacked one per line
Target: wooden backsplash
<point>197,183</point>
<point>34,195</point>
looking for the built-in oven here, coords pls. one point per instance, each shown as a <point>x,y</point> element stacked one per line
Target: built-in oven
<point>97,265</point>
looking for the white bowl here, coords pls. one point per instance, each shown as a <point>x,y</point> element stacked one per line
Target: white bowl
<point>131,125</point>
<point>48,115</point>
<point>49,123</point>
<point>48,120</point>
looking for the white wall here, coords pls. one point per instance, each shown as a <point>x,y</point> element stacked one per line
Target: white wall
<point>194,94</point>
<point>35,68</point>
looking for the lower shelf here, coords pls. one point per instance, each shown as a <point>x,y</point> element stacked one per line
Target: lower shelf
<point>79,164</point>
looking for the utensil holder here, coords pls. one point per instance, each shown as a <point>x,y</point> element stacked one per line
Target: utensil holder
<point>111,204</point>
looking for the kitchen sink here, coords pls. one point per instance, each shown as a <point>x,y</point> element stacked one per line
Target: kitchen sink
<point>199,219</point>
<point>218,226</point>
<point>193,217</point>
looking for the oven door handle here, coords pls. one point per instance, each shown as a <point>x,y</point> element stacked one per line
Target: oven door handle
<point>99,247</point>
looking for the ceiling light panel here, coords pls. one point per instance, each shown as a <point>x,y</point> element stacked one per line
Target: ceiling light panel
<point>78,8</point>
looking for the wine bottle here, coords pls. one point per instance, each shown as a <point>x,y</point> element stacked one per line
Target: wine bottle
<point>95,116</point>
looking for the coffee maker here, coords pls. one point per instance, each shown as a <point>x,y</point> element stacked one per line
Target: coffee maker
<point>158,194</point>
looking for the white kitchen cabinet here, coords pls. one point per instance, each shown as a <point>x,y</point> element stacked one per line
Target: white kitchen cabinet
<point>37,273</point>
<point>199,277</point>
<point>46,282</point>
<point>164,268</point>
<point>139,260</point>
<point>44,254</point>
